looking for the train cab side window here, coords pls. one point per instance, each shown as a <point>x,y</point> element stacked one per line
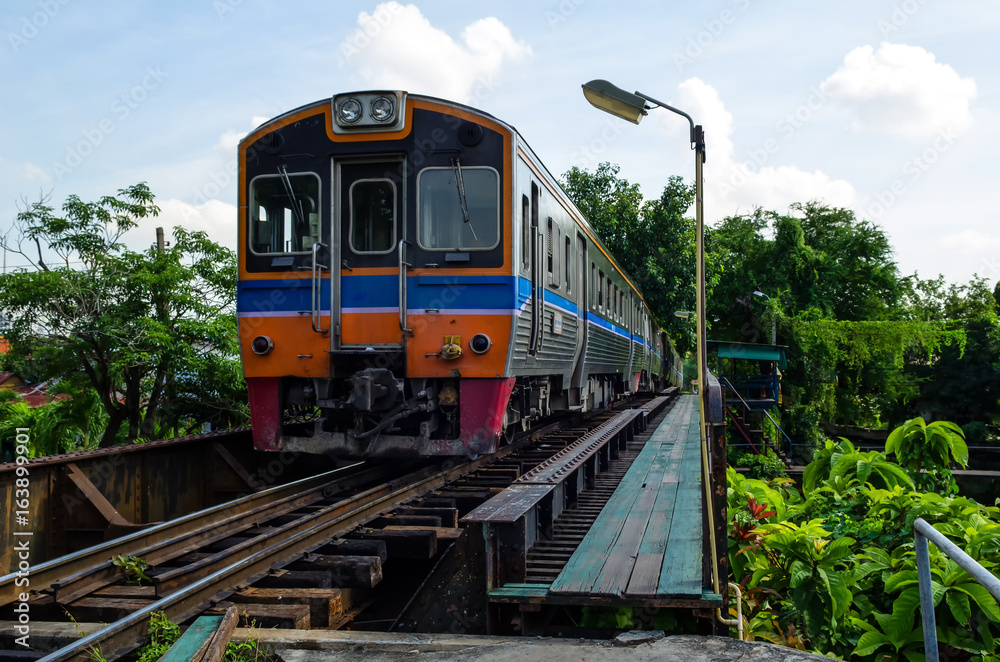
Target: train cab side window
<point>373,216</point>
<point>593,286</point>
<point>458,208</point>
<point>284,213</point>
<point>525,233</point>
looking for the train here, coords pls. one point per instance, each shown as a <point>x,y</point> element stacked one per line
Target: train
<point>414,282</point>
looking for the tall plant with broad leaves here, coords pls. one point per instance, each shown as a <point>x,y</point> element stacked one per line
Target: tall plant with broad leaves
<point>927,450</point>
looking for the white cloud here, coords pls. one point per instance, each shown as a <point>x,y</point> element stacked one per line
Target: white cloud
<point>902,90</point>
<point>396,47</point>
<point>737,187</point>
<point>972,241</point>
<point>33,172</point>
<point>230,140</point>
<point>216,218</point>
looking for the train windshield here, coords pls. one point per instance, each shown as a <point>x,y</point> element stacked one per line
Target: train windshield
<point>458,208</point>
<point>284,213</point>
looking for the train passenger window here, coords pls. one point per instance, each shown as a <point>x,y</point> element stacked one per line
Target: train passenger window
<point>373,216</point>
<point>458,208</point>
<point>284,213</point>
<point>593,286</point>
<point>549,259</point>
<point>600,290</point>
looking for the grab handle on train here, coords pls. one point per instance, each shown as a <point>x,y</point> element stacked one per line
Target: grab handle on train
<point>403,264</point>
<point>317,288</point>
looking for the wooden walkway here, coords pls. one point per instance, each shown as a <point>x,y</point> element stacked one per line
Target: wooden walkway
<point>647,542</point>
<point>646,546</point>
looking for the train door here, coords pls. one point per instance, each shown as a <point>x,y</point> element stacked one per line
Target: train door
<point>537,305</point>
<point>369,257</point>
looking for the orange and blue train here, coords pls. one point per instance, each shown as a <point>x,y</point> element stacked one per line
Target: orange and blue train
<point>414,282</point>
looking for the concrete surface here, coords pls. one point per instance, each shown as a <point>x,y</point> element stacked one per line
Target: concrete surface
<point>340,646</point>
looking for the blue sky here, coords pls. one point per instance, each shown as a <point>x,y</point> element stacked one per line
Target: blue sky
<point>890,108</point>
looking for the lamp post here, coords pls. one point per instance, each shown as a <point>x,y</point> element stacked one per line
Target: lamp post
<point>632,107</point>
<point>774,321</point>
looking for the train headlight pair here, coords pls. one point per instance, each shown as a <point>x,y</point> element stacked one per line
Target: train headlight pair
<point>350,109</point>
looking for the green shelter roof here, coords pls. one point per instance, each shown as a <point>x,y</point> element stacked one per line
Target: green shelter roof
<point>750,351</point>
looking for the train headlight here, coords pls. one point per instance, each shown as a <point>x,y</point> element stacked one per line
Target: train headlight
<point>262,345</point>
<point>350,110</point>
<point>480,343</point>
<point>383,109</point>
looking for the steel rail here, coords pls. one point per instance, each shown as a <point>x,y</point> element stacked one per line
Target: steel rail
<point>94,561</point>
<point>128,633</point>
<point>922,532</point>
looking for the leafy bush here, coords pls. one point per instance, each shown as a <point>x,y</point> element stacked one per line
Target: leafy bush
<point>832,568</point>
<point>764,466</point>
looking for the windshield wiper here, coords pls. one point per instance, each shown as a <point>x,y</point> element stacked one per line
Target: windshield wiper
<point>296,207</point>
<point>461,196</point>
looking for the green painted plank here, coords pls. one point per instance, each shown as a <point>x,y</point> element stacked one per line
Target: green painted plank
<point>520,591</point>
<point>585,566</point>
<point>617,569</point>
<point>193,640</point>
<point>682,565</point>
<point>645,577</point>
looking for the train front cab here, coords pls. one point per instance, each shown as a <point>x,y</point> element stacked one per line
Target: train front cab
<point>375,291</point>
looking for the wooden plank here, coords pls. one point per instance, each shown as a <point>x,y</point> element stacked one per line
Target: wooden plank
<point>217,645</point>
<point>325,604</point>
<point>194,642</point>
<point>445,533</point>
<point>584,568</point>
<point>681,572</point>
<point>274,616</point>
<point>355,548</point>
<point>510,505</point>
<point>617,571</point>
<point>649,557</point>
<point>403,542</point>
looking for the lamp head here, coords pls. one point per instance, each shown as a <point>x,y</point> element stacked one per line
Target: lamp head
<point>605,96</point>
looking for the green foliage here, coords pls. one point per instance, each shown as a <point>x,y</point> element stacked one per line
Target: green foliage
<point>133,567</point>
<point>162,635</point>
<point>652,240</point>
<point>838,566</point>
<point>151,335</point>
<point>927,451</point>
<point>64,425</point>
<point>764,466</point>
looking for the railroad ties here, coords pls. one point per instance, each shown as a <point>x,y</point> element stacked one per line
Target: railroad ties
<point>603,523</point>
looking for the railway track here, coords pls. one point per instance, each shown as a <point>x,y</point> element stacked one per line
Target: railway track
<point>324,539</point>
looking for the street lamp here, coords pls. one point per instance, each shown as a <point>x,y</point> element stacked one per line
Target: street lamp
<point>774,320</point>
<point>632,107</point>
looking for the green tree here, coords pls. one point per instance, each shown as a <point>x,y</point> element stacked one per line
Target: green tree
<point>652,240</point>
<point>138,328</point>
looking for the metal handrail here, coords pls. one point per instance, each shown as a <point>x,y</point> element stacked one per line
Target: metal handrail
<point>402,287</point>
<point>316,290</point>
<point>922,532</point>
<point>773,422</point>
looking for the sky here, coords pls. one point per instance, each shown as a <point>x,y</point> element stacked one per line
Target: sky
<point>887,107</point>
